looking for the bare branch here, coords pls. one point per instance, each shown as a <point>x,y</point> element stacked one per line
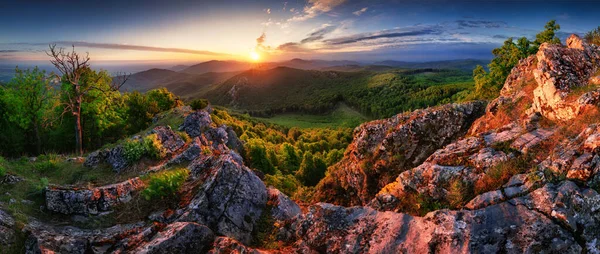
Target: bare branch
<point>119,80</point>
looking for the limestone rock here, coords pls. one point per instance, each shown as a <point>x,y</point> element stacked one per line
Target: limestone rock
<point>179,237</point>
<point>7,232</point>
<point>283,207</point>
<point>384,148</point>
<point>558,71</point>
<point>497,228</point>
<point>196,123</point>
<point>90,201</point>
<point>231,198</point>
<point>169,140</point>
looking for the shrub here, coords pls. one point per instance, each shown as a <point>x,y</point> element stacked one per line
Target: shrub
<point>150,146</point>
<point>133,150</point>
<point>41,186</point>
<point>165,184</point>
<point>45,166</point>
<point>153,147</point>
<point>459,192</point>
<point>198,104</point>
<point>2,171</point>
<point>183,135</point>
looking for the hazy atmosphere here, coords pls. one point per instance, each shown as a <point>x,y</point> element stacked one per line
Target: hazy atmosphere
<point>309,126</point>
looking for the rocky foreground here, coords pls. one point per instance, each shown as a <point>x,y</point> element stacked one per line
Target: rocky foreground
<point>521,174</point>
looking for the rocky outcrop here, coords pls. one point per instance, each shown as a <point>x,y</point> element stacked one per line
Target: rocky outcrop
<point>551,219</point>
<point>7,232</point>
<point>179,237</point>
<point>559,70</point>
<point>93,200</point>
<point>384,148</point>
<point>283,208</point>
<point>169,140</point>
<point>196,123</point>
<point>231,198</point>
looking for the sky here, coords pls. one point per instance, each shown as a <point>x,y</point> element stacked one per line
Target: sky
<point>185,32</point>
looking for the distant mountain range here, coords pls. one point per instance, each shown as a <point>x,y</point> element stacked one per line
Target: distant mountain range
<point>189,81</point>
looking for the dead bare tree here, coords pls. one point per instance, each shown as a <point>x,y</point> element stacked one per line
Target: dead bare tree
<point>72,66</point>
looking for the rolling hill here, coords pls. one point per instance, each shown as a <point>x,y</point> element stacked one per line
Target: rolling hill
<point>460,64</point>
<point>182,84</point>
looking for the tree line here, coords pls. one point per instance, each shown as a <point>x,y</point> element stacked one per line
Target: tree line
<point>74,110</point>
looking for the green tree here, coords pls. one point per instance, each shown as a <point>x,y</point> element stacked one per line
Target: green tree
<point>290,161</point>
<point>312,169</point>
<point>257,154</point>
<point>139,111</point>
<point>102,110</point>
<point>593,37</point>
<point>548,35</point>
<point>164,99</point>
<point>31,97</point>
<point>72,66</point>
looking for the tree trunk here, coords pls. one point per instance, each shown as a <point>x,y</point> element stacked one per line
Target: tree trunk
<point>38,139</point>
<point>78,132</point>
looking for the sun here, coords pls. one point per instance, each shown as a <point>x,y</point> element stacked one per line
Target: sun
<point>254,56</point>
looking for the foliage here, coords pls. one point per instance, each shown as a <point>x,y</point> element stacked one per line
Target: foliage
<point>265,93</point>
<point>2,171</point>
<point>593,36</point>
<point>312,169</point>
<point>165,184</point>
<point>257,156</point>
<point>198,104</point>
<point>488,84</point>
<point>150,146</point>
<point>133,150</point>
<point>164,99</point>
<point>45,167</point>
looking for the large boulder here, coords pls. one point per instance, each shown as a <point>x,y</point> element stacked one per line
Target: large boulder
<point>231,198</point>
<point>116,158</point>
<point>382,149</point>
<point>559,71</point>
<point>196,123</point>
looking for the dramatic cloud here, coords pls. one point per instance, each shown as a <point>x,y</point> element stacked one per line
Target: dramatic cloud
<point>394,33</point>
<point>316,7</point>
<point>319,34</point>
<point>116,47</point>
<point>360,12</point>
<point>480,24</point>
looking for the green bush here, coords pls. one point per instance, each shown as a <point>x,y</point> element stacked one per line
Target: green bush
<point>41,186</point>
<point>150,146</point>
<point>45,166</point>
<point>153,147</point>
<point>2,171</point>
<point>199,104</point>
<point>165,184</point>
<point>133,150</point>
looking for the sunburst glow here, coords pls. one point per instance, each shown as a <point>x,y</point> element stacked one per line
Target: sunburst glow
<point>254,56</point>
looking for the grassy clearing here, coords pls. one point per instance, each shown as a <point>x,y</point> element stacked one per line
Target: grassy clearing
<point>343,116</point>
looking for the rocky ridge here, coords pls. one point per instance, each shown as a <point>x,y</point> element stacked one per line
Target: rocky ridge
<point>512,178</point>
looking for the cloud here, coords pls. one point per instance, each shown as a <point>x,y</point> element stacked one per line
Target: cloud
<point>268,10</point>
<point>121,47</point>
<point>394,33</point>
<point>319,34</point>
<point>499,36</point>
<point>9,50</point>
<point>480,24</point>
<point>361,11</point>
<point>316,7</point>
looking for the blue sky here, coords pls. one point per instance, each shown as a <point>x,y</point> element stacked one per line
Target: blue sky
<point>193,31</point>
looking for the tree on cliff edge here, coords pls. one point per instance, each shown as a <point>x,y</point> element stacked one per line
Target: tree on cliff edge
<point>488,84</point>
